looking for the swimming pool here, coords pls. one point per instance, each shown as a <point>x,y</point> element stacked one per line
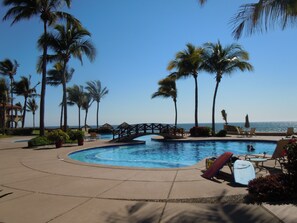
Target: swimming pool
<point>156,154</point>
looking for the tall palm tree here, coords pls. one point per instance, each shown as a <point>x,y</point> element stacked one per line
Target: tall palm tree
<point>188,63</point>
<point>69,41</point>
<point>32,107</point>
<point>4,88</point>
<point>97,93</point>
<point>24,88</point>
<point>167,89</point>
<point>76,97</point>
<point>86,104</point>
<point>9,68</point>
<point>263,14</point>
<point>221,61</point>
<point>48,11</point>
<point>54,78</point>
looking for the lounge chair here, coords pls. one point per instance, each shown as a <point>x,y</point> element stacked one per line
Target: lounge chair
<point>252,132</point>
<point>290,132</point>
<point>278,154</point>
<point>240,132</point>
<point>217,165</point>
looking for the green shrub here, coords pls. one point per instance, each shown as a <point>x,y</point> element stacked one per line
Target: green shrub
<point>221,133</point>
<point>39,141</point>
<point>71,134</point>
<point>291,165</point>
<point>200,132</point>
<point>57,135</point>
<point>19,131</point>
<point>79,134</point>
<point>75,134</point>
<point>269,188</point>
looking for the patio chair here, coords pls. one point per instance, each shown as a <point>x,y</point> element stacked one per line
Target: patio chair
<point>252,132</point>
<point>278,154</point>
<point>240,132</point>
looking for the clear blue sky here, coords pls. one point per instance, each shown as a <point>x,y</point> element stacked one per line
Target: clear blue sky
<point>136,39</point>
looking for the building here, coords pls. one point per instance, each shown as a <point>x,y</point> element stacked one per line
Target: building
<point>6,119</point>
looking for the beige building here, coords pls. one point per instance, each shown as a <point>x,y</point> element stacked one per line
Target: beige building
<point>6,118</point>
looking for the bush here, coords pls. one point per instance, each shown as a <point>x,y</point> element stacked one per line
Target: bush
<point>39,141</point>
<point>79,135</point>
<point>57,135</point>
<point>200,132</point>
<point>19,131</point>
<point>291,165</point>
<point>71,134</point>
<point>269,188</point>
<point>221,133</point>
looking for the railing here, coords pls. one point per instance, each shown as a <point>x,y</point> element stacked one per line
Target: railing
<point>129,132</point>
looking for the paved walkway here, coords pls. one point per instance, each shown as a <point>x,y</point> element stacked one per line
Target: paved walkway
<point>43,185</point>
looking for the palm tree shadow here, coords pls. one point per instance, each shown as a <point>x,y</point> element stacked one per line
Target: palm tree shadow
<point>139,212</point>
<point>176,212</point>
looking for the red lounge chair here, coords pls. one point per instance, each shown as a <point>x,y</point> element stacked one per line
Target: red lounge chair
<point>217,165</point>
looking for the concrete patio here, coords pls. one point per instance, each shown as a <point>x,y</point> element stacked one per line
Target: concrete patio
<point>43,185</point>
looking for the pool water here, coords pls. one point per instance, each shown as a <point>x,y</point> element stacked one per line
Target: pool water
<point>155,154</point>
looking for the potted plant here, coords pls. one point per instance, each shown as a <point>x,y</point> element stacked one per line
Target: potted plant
<point>58,137</point>
<point>79,135</point>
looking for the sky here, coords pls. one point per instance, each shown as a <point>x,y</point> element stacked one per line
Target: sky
<point>136,39</point>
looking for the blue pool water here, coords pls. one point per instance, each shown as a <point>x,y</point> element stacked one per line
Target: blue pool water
<point>155,154</point>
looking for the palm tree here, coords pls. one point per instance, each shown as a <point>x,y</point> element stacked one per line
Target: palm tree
<point>86,104</point>
<point>54,78</point>
<point>9,68</point>
<point>188,63</point>
<point>23,87</point>
<point>223,60</point>
<point>260,16</point>
<point>97,93</point>
<point>76,96</point>
<point>32,107</point>
<point>69,40</point>
<point>4,88</point>
<point>48,11</point>
<point>167,89</point>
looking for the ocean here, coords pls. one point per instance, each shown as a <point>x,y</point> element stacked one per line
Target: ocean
<point>260,126</point>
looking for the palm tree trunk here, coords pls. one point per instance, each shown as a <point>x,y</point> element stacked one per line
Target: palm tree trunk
<point>86,116</point>
<point>214,107</point>
<point>61,117</point>
<point>175,108</point>
<point>79,117</point>
<point>97,118</point>
<point>43,83</point>
<point>24,112</point>
<point>11,101</point>
<point>34,120</point>
<point>196,101</point>
<point>64,97</point>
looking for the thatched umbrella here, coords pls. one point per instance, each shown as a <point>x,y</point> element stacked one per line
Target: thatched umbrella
<point>107,126</point>
<point>247,122</point>
<point>124,125</point>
